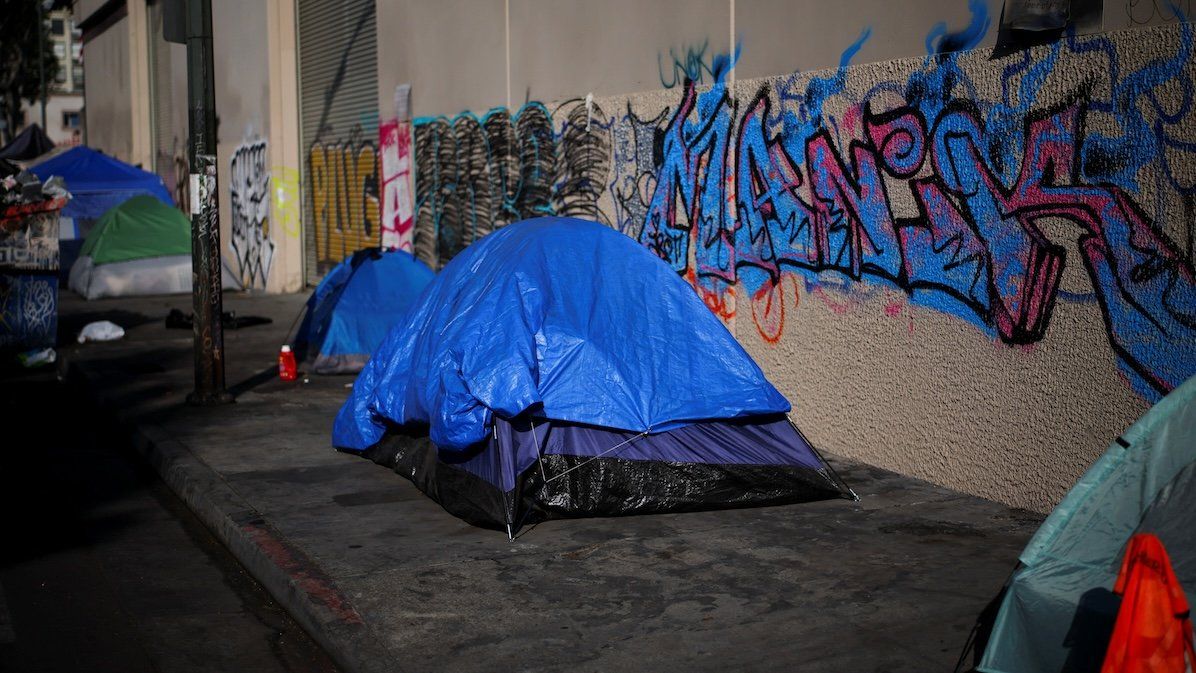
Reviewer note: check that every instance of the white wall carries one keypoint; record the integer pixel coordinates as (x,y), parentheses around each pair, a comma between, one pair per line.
(108,92)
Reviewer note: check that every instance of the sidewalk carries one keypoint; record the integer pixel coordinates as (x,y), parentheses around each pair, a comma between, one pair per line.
(385,580)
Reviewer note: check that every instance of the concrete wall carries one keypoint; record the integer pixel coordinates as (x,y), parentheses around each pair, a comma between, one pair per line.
(454,53)
(108,92)
(254,52)
(970,270)
(609,47)
(255,181)
(85,8)
(242,153)
(785,36)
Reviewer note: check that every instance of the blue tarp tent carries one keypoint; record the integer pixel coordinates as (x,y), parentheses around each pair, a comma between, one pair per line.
(354,307)
(559,368)
(98,182)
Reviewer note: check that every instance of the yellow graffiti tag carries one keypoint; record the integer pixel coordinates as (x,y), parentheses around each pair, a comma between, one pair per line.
(286,199)
(345,210)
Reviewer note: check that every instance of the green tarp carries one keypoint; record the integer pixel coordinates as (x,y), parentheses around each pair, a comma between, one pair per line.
(139,228)
(1059,604)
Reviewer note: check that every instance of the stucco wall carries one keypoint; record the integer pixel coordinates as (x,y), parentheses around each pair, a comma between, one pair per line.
(974,271)
(1062,302)
(109,103)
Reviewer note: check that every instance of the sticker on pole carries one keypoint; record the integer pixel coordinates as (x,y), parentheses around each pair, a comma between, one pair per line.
(196,202)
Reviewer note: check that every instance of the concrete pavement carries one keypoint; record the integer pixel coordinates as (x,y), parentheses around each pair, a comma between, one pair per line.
(387,581)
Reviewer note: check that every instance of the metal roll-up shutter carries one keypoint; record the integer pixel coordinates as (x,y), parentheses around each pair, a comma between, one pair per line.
(338,91)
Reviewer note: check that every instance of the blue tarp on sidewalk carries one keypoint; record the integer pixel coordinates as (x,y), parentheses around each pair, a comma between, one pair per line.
(566,316)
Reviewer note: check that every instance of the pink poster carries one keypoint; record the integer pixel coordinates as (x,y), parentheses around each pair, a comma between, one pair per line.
(397,206)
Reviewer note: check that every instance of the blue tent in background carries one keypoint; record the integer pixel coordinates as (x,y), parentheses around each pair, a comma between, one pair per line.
(98,182)
(558,368)
(354,307)
(28,144)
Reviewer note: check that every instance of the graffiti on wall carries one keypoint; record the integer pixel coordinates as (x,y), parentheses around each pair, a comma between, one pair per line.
(750,192)
(344,197)
(696,63)
(285,180)
(477,174)
(996,208)
(398,205)
(1145,12)
(249,189)
(28,310)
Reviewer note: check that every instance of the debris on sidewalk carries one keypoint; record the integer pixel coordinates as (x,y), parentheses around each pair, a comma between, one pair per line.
(101,330)
(37,357)
(176,319)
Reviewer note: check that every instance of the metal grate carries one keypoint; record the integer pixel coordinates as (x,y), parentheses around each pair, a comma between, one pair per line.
(338,93)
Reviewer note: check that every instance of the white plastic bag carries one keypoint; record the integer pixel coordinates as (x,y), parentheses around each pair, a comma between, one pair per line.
(101,331)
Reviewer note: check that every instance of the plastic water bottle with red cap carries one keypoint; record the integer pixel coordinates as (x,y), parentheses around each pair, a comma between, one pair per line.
(287,369)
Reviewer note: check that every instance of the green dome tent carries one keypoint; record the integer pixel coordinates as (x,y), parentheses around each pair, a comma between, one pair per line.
(139,247)
(1057,610)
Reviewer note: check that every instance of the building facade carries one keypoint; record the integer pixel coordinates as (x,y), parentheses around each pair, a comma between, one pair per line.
(137,111)
(64,102)
(961,257)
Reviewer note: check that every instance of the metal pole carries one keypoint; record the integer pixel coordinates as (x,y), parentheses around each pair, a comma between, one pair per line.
(41,56)
(205,223)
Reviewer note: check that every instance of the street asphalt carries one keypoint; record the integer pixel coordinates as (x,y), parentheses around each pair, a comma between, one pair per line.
(104,569)
(385,580)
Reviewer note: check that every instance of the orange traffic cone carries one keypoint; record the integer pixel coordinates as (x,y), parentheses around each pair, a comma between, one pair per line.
(1153,632)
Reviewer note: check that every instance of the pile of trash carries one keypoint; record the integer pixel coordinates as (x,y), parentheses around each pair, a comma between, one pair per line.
(19,187)
(29,263)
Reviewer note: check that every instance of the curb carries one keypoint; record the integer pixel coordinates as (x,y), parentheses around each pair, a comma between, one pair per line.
(288,575)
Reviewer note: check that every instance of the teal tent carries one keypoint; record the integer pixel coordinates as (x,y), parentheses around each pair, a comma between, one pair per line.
(1057,610)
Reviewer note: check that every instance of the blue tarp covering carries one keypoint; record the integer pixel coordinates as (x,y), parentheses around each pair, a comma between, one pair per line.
(566,316)
(355,306)
(98,182)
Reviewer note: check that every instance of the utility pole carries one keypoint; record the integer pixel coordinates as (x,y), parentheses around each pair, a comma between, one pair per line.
(205,223)
(42,6)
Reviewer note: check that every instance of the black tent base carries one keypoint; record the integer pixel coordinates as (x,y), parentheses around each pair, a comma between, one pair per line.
(604,486)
